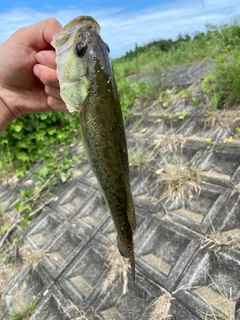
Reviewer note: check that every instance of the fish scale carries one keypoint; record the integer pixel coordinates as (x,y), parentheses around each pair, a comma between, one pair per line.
(87,86)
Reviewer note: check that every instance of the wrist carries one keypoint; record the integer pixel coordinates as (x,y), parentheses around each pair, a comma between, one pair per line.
(6,116)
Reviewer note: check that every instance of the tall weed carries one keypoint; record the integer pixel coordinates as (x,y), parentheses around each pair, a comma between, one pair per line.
(33,137)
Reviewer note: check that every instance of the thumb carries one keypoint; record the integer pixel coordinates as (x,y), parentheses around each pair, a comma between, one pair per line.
(40,34)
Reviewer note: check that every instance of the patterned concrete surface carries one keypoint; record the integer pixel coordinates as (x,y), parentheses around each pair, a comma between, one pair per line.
(184,178)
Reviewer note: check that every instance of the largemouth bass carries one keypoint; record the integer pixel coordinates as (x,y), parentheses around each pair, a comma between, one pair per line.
(87,86)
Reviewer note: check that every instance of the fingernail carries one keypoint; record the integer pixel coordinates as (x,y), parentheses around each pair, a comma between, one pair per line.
(36,70)
(40,58)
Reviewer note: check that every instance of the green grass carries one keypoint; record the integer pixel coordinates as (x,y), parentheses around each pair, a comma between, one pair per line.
(25,313)
(138,159)
(215,42)
(227,79)
(39,137)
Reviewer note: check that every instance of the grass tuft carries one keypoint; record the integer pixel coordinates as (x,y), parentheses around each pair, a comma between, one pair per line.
(118,268)
(32,258)
(25,313)
(161,307)
(166,143)
(181,182)
(223,119)
(218,240)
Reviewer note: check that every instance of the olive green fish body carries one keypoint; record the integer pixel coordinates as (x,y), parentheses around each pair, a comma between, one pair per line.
(105,146)
(87,86)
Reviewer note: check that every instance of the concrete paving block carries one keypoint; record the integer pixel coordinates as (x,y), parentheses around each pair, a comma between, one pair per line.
(147,184)
(220,165)
(144,218)
(142,126)
(181,76)
(179,105)
(28,287)
(8,198)
(237,310)
(119,305)
(8,275)
(235,177)
(180,311)
(228,222)
(80,280)
(72,199)
(3,310)
(145,127)
(55,306)
(137,303)
(9,269)
(167,306)
(146,189)
(108,230)
(164,251)
(79,170)
(192,152)
(44,228)
(173,124)
(91,217)
(75,198)
(109,238)
(89,179)
(227,226)
(199,212)
(203,308)
(62,250)
(198,129)
(136,173)
(211,283)
(176,159)
(164,127)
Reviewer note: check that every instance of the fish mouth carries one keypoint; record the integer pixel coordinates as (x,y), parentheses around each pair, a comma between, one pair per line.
(76,28)
(83,21)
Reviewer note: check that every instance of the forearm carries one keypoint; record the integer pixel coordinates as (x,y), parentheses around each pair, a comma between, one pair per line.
(6,116)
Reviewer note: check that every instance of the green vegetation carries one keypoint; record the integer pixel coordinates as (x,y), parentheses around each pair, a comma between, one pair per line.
(217,41)
(138,159)
(223,86)
(35,137)
(44,141)
(25,313)
(44,138)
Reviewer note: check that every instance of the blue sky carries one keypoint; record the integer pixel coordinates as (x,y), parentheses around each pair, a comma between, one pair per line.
(123,23)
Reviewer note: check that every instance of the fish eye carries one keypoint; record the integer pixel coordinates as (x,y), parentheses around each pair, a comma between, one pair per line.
(80,49)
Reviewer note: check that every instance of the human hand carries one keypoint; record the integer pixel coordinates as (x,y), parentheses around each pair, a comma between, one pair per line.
(28,81)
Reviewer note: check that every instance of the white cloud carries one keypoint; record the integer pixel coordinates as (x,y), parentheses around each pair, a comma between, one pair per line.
(122,30)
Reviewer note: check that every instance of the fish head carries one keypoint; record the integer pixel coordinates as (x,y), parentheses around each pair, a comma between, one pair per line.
(80,55)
